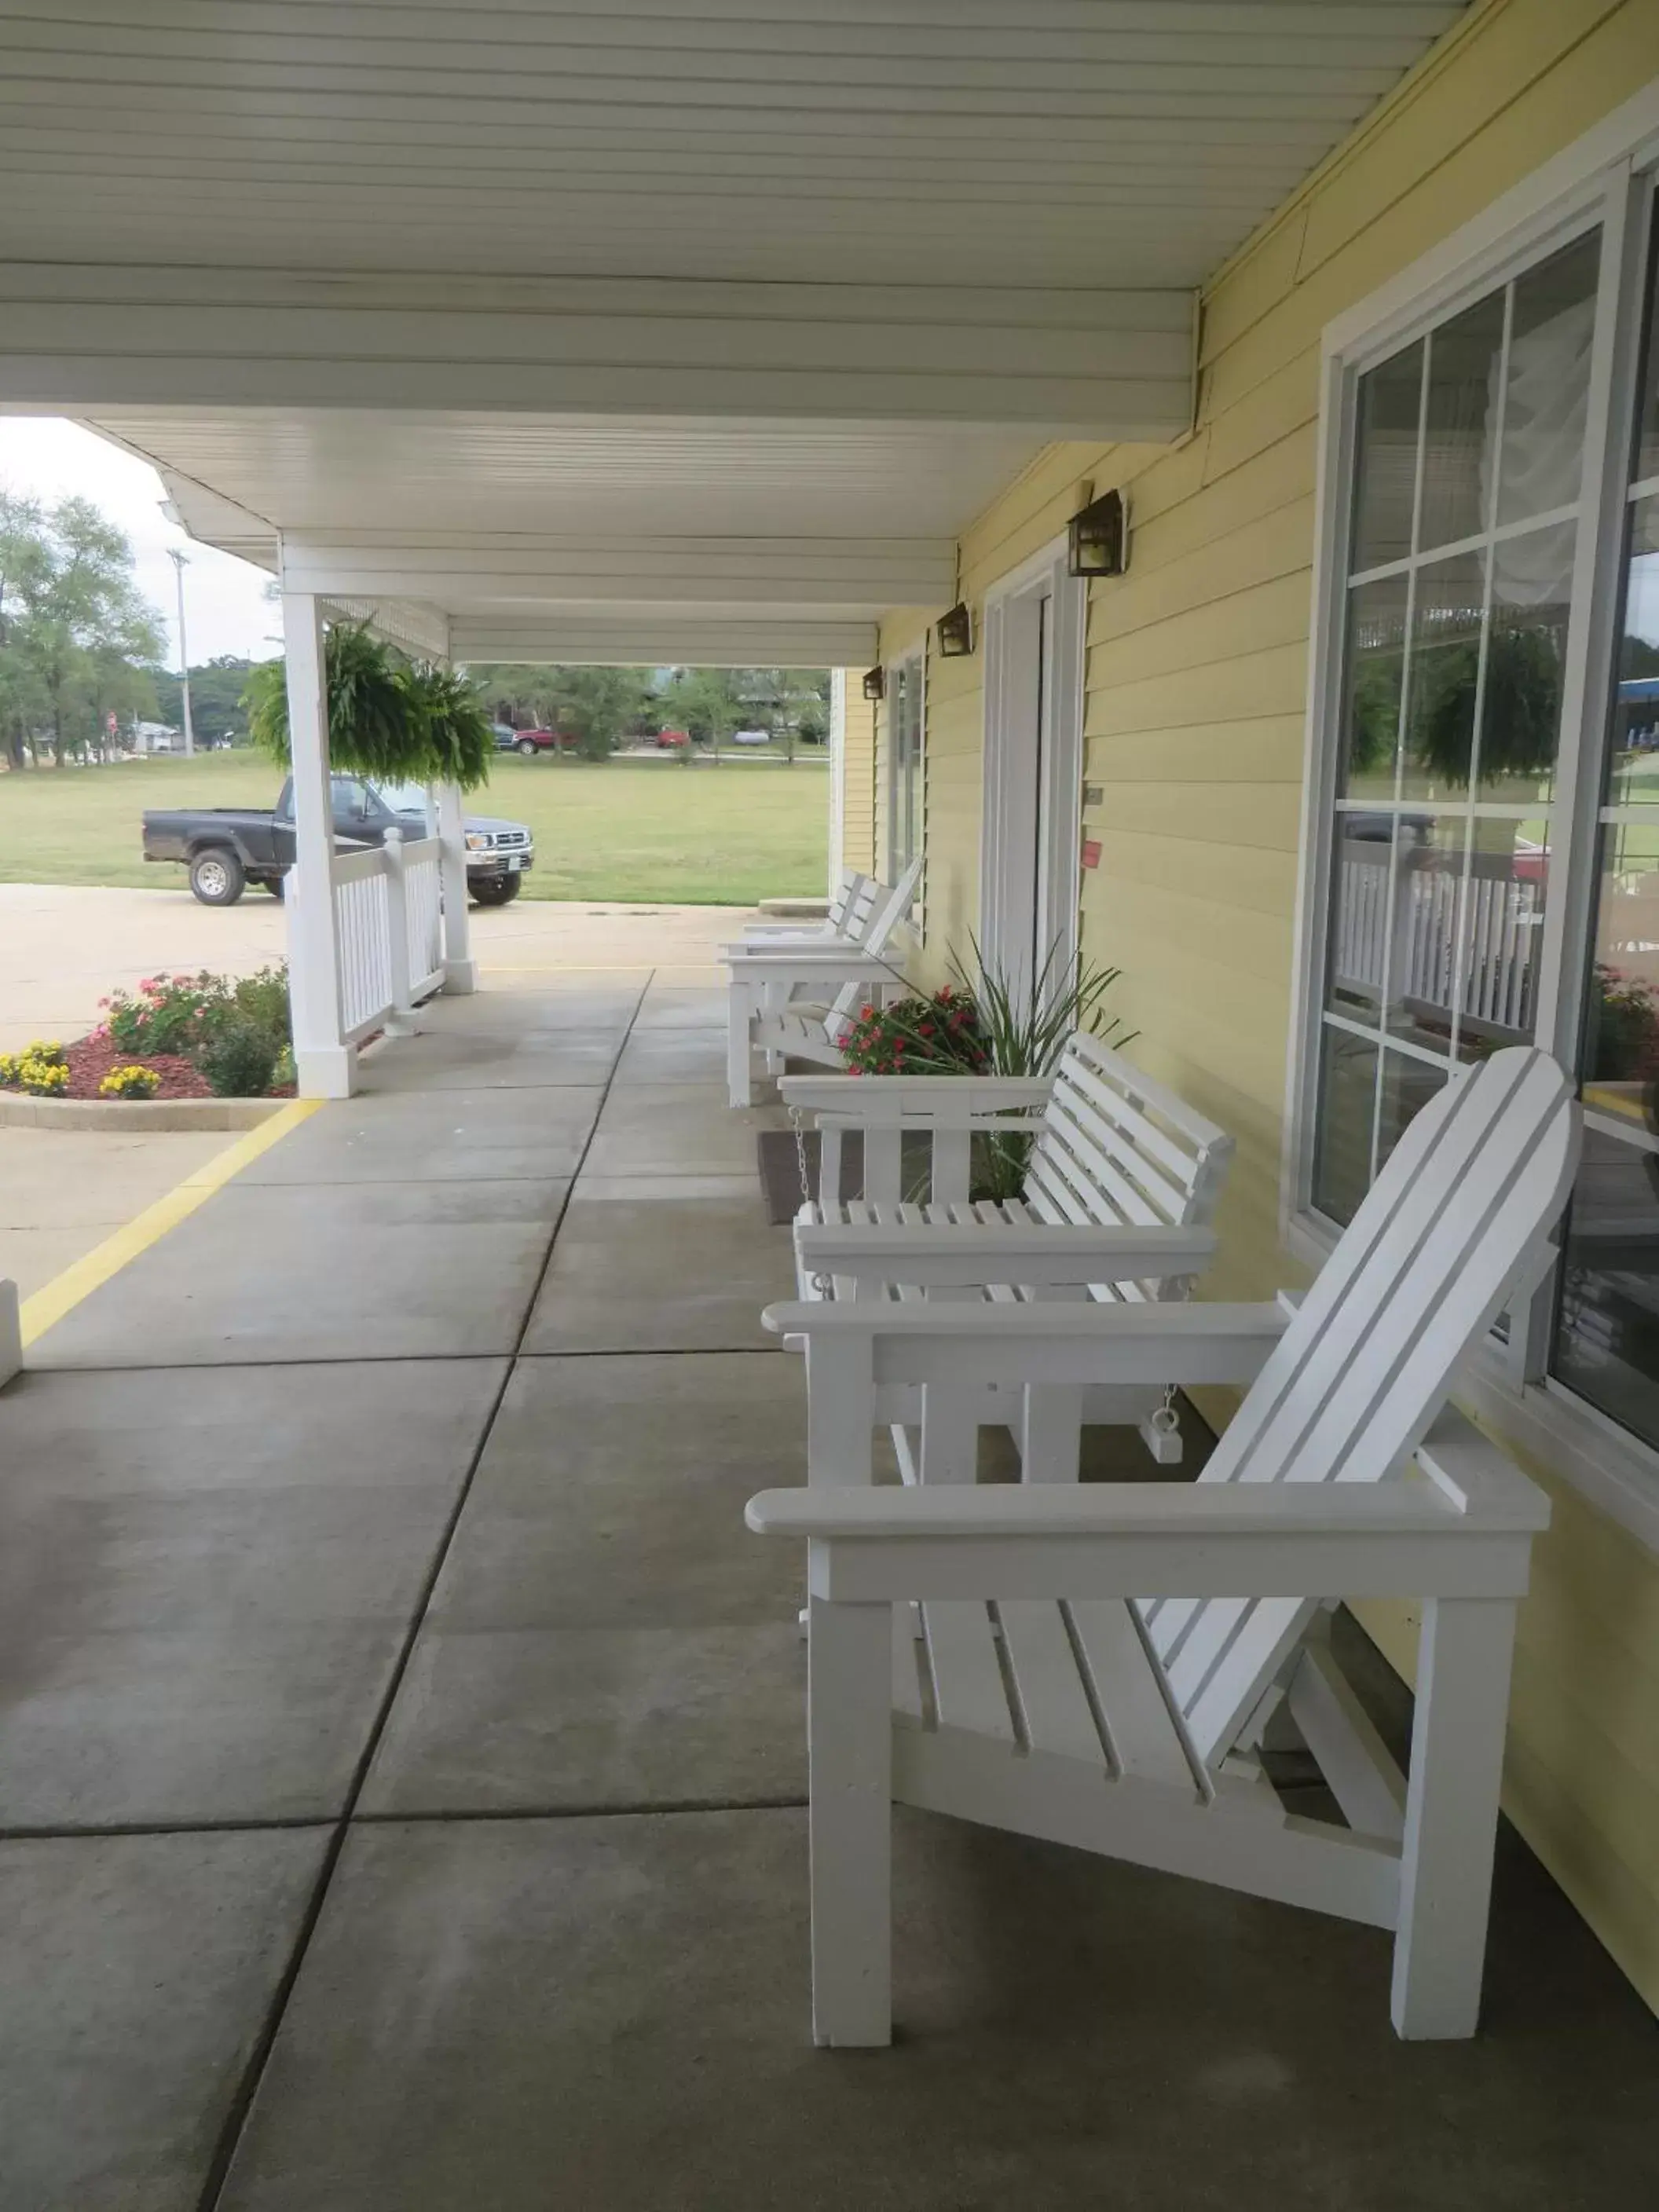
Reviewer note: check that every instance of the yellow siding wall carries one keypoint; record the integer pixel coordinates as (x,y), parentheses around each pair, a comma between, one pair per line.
(858,769)
(1196,691)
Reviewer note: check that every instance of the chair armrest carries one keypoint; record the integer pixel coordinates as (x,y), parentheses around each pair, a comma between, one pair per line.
(967,1253)
(936,1341)
(1147,1539)
(810,964)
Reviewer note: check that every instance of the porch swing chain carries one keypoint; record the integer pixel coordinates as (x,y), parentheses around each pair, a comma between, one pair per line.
(1166,1417)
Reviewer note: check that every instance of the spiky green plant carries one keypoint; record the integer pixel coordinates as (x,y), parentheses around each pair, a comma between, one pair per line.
(1023,1029)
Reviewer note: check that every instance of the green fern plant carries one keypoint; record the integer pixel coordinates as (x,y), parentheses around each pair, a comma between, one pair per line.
(388,719)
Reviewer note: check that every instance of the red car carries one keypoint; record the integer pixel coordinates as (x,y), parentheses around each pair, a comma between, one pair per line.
(529,743)
(667,739)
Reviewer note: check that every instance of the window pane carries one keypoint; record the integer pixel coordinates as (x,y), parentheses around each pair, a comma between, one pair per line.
(1342,1142)
(1374,666)
(1426,900)
(1406,1087)
(1362,845)
(1526,652)
(1503,931)
(1607,1345)
(1634,774)
(1647,450)
(1445,666)
(1385,459)
(1548,386)
(1621,1019)
(1464,355)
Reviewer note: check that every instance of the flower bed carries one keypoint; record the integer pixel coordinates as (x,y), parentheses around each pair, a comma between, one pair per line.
(193,1037)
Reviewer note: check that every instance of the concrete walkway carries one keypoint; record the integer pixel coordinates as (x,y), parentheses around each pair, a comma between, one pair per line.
(401,1766)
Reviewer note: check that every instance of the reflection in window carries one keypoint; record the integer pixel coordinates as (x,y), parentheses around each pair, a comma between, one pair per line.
(1464,356)
(1385,476)
(1526,654)
(1373,675)
(1547,393)
(1445,674)
(1634,738)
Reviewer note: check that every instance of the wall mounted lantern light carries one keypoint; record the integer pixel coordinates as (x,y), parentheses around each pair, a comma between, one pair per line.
(955,632)
(875,683)
(1095,538)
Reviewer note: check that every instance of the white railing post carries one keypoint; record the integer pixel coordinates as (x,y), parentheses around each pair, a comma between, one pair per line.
(324,1063)
(460,969)
(11,1333)
(400,1021)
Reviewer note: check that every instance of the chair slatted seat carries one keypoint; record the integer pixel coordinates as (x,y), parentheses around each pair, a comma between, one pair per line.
(1096,1665)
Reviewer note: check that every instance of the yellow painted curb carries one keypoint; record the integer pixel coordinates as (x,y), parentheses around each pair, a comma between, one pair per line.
(145,1228)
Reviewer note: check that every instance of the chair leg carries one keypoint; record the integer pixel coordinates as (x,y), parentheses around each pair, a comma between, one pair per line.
(1451,1815)
(850,1746)
(738,1057)
(1051,1433)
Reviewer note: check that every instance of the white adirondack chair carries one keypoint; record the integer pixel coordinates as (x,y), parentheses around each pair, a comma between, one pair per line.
(1099,1661)
(799,1001)
(1112,1151)
(844,924)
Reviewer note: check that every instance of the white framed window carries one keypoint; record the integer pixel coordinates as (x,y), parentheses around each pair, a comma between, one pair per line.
(1481,848)
(907,782)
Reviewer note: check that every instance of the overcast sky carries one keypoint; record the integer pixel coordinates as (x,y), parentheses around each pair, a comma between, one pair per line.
(224,609)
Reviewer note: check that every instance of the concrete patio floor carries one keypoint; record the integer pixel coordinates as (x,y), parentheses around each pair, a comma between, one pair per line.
(401,1759)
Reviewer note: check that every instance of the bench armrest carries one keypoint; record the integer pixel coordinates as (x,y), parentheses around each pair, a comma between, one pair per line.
(823,964)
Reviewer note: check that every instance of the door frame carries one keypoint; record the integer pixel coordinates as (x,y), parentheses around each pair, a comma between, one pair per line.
(1031,818)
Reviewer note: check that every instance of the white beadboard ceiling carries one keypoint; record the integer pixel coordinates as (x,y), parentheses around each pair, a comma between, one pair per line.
(639,321)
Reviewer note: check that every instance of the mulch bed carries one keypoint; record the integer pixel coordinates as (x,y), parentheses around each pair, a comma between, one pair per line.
(90,1060)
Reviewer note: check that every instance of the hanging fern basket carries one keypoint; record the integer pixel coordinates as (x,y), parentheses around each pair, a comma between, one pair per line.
(389,719)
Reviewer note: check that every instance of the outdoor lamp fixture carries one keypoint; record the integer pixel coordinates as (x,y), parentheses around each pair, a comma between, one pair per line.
(1095,538)
(875,683)
(955,632)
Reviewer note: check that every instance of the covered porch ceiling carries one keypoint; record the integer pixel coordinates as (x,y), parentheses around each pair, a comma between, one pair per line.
(646,331)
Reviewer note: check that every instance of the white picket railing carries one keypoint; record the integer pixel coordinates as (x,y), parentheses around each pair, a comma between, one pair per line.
(423,863)
(1414,940)
(388,914)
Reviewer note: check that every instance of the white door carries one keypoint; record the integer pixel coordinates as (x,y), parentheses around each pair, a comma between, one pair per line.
(1033,631)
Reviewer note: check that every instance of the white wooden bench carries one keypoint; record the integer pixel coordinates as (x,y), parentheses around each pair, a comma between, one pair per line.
(1098,1661)
(799,1000)
(1112,1153)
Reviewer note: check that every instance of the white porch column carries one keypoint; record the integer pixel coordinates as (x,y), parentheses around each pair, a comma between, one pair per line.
(325,1064)
(838,774)
(460,969)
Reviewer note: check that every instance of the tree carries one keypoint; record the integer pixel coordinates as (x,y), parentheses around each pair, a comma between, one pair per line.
(76,634)
(216,695)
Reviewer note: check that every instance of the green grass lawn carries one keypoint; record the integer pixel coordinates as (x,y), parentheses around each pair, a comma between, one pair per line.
(650,829)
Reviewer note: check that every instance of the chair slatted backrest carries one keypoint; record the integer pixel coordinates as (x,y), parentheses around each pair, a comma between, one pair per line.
(1465,1204)
(890,910)
(856,909)
(1116,1147)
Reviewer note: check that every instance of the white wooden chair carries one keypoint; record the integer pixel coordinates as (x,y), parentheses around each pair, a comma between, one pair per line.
(1099,1661)
(1111,1150)
(799,1001)
(844,923)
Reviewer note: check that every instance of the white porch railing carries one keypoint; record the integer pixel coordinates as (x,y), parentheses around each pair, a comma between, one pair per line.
(1415,939)
(388,920)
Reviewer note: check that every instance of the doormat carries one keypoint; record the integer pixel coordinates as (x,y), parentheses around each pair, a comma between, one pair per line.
(780,1169)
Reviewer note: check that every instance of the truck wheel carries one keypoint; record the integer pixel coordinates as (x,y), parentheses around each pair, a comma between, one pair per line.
(526,748)
(501,891)
(217,877)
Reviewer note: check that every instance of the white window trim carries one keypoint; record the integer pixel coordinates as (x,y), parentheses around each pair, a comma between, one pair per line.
(1001,871)
(912,933)
(1602,178)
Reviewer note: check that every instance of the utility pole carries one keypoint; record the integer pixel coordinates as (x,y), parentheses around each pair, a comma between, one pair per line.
(180,563)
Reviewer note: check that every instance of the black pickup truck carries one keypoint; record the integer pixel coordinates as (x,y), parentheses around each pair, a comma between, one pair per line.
(226,848)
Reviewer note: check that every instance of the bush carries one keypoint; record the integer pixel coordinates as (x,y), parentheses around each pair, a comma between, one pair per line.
(263,999)
(130,1082)
(285,1075)
(166,1014)
(938,1035)
(42,1075)
(237,1058)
